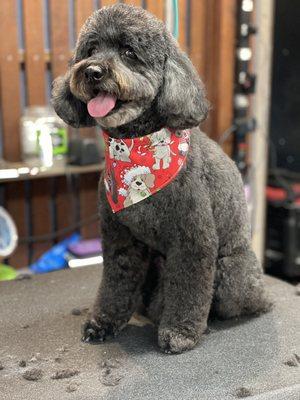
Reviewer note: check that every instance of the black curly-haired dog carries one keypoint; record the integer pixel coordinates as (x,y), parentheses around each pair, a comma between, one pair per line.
(197,225)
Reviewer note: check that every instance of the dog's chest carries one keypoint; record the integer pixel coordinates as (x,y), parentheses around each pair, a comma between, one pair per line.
(148,221)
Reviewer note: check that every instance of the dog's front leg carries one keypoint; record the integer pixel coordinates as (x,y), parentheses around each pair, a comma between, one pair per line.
(188,289)
(125,265)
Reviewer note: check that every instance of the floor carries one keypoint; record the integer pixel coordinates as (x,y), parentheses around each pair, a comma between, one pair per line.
(40,339)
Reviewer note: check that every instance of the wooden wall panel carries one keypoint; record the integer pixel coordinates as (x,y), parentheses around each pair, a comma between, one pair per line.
(211,32)
(137,3)
(197,35)
(182,19)
(83,9)
(225,73)
(157,8)
(219,66)
(104,3)
(89,201)
(10,80)
(59,36)
(41,218)
(34,52)
(11,111)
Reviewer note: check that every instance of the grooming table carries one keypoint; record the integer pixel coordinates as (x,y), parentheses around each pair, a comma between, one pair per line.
(250,357)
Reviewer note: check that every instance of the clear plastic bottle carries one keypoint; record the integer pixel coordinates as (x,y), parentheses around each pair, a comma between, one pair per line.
(44,137)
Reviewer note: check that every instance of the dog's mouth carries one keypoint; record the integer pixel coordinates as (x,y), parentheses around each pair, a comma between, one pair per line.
(104,104)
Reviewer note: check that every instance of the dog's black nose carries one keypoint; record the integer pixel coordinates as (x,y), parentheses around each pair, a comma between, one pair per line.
(93,73)
(138,183)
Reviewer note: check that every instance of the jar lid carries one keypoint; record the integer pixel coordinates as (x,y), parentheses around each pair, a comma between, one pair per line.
(38,111)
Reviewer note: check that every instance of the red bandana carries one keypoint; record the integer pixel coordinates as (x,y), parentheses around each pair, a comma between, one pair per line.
(137,168)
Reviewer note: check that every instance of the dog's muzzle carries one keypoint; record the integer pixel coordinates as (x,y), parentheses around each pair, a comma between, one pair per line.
(94,73)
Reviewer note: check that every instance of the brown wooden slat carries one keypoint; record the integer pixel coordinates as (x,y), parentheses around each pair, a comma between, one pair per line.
(34,54)
(89,203)
(41,219)
(65,211)
(136,3)
(157,8)
(59,33)
(226,61)
(46,56)
(220,66)
(210,73)
(10,82)
(108,2)
(197,35)
(83,9)
(182,9)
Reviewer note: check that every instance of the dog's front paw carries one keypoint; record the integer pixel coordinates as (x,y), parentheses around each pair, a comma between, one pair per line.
(172,341)
(97,329)
(93,332)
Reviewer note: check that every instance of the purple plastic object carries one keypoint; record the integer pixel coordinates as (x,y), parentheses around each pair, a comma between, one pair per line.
(86,248)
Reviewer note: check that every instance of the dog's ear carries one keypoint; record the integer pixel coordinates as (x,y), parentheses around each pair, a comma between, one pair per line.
(67,106)
(148,179)
(182,102)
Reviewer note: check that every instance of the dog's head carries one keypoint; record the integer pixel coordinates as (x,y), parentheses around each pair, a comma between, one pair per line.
(161,138)
(142,182)
(125,64)
(119,146)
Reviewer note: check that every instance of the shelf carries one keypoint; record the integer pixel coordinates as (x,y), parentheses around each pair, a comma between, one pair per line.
(14,172)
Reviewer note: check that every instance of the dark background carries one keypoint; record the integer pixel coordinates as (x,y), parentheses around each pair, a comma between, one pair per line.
(285,104)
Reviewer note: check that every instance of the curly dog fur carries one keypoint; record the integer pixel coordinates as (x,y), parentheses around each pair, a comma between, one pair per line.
(197,226)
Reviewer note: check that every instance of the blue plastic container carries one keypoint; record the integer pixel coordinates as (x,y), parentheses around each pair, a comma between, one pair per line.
(55,258)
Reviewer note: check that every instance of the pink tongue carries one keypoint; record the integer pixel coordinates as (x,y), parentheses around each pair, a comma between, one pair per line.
(101,105)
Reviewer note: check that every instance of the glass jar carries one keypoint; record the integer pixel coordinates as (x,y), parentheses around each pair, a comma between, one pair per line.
(44,138)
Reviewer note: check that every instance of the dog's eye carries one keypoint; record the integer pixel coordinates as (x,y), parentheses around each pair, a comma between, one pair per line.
(91,51)
(129,53)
